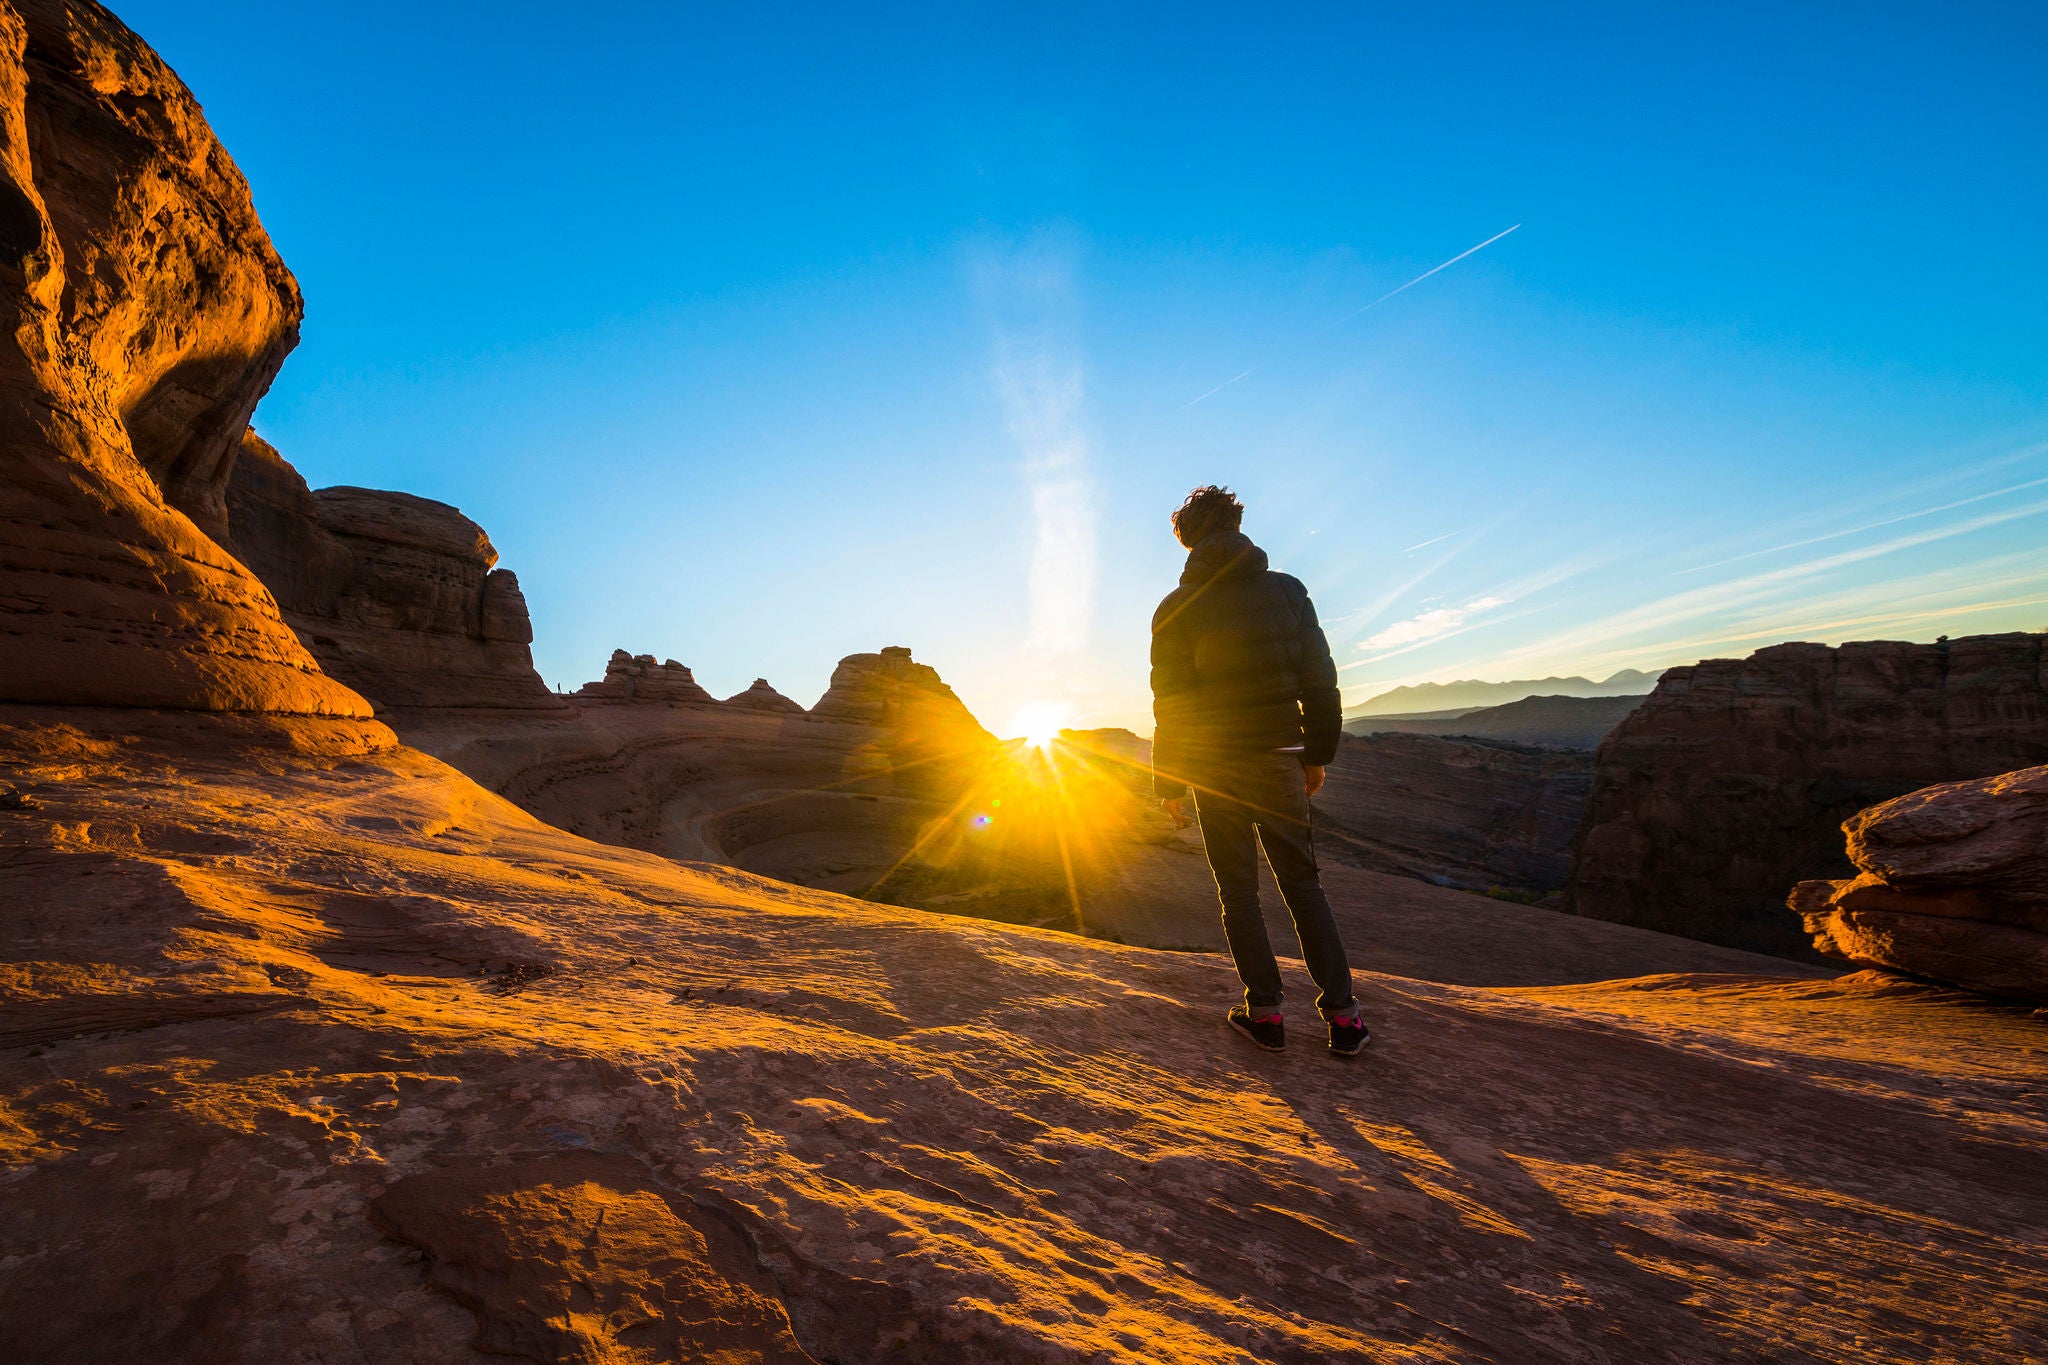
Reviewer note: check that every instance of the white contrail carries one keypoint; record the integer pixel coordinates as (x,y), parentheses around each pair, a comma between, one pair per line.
(1219,388)
(1420,278)
(1355,312)
(1427,543)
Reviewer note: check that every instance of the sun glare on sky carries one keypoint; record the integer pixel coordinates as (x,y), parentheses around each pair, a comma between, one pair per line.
(1039,723)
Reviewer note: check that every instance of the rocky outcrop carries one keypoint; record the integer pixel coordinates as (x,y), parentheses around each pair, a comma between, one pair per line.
(1730,783)
(1953,885)
(395,595)
(822,799)
(893,690)
(762,697)
(142,314)
(637,677)
(1467,813)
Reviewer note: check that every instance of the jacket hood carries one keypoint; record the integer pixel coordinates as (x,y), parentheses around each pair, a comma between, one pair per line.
(1223,554)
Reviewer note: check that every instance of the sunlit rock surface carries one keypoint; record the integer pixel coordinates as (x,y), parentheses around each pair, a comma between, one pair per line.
(142,314)
(1730,784)
(1953,885)
(281,1015)
(395,595)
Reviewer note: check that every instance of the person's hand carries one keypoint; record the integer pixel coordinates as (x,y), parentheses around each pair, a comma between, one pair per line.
(1173,806)
(1312,777)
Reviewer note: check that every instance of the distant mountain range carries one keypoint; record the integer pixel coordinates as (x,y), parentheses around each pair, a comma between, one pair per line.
(1423,699)
(1560,722)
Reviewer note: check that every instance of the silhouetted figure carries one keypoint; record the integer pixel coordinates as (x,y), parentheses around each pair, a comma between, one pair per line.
(1246,711)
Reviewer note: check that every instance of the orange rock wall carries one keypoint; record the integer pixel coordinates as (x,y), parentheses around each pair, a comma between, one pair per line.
(142,314)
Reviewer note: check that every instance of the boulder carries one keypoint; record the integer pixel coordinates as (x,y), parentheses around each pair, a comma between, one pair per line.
(762,697)
(395,595)
(1953,885)
(143,312)
(637,677)
(1732,781)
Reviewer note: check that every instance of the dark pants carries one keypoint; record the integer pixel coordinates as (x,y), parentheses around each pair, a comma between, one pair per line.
(1258,799)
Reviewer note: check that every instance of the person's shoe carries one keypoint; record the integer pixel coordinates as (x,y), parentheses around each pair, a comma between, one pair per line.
(1268,1030)
(1349,1035)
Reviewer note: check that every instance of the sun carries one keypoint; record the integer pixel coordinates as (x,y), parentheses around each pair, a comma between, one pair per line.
(1040,722)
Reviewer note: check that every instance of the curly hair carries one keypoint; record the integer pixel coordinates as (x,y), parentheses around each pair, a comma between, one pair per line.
(1209,509)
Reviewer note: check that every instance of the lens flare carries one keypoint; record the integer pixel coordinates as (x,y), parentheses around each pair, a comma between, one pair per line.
(1040,723)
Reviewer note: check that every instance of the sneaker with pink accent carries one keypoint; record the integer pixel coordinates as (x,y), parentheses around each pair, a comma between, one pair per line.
(1349,1035)
(1269,1031)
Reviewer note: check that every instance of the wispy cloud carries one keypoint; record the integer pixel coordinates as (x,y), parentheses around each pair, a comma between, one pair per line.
(1869,526)
(1038,377)
(1687,624)
(1433,624)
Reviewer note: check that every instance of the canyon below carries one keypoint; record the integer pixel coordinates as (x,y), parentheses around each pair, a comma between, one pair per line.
(364,999)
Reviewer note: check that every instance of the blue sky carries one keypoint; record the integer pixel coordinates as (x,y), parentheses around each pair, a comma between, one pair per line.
(759,335)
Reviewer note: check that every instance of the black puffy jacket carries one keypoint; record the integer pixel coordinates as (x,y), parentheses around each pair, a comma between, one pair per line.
(1239,665)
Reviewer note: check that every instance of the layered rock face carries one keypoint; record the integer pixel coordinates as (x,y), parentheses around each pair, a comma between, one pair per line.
(142,314)
(1457,812)
(1953,885)
(762,697)
(1730,783)
(892,689)
(395,595)
(637,677)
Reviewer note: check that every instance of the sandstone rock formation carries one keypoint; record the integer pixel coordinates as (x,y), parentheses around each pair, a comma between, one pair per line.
(891,689)
(762,697)
(142,314)
(1458,812)
(1953,886)
(829,799)
(637,677)
(395,595)
(1730,783)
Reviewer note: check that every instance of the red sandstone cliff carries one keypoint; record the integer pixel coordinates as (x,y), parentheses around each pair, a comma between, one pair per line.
(1731,782)
(142,314)
(397,596)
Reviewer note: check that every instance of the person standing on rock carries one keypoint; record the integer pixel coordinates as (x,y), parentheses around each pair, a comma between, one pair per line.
(1247,713)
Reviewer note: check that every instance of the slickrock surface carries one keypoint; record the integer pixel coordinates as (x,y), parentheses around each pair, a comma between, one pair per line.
(833,800)
(282,1014)
(1953,885)
(1559,722)
(1457,812)
(1730,784)
(790,796)
(637,677)
(142,314)
(395,595)
(762,697)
